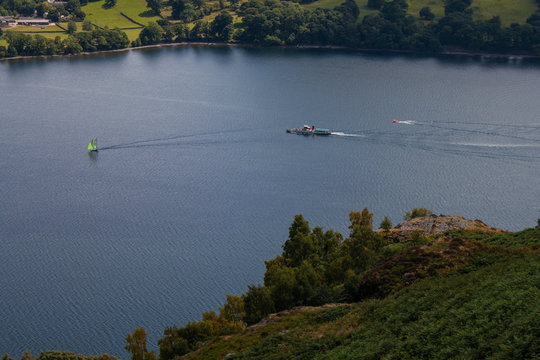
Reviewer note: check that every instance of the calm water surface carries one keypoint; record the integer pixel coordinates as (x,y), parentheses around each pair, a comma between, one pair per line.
(197,181)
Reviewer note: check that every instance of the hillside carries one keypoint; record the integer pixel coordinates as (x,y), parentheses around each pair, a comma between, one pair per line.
(131,15)
(456,296)
(487,311)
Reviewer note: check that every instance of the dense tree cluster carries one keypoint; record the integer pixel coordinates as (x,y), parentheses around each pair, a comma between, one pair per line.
(275,22)
(316,267)
(178,341)
(71,10)
(20,44)
(220,29)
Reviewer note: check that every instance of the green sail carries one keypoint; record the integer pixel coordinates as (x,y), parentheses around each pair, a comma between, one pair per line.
(93,144)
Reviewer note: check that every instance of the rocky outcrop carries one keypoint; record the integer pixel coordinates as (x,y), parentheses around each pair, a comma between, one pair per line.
(437,224)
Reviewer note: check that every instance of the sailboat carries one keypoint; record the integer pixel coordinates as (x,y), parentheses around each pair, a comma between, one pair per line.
(92,146)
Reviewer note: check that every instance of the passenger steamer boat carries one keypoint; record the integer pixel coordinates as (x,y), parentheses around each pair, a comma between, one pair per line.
(309,130)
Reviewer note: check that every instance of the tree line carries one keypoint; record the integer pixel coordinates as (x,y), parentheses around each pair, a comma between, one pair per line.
(71,10)
(20,44)
(275,22)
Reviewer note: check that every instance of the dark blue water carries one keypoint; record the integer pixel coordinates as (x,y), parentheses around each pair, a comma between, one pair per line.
(197,181)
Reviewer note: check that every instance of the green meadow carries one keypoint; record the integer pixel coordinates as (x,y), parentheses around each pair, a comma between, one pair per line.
(135,9)
(50,32)
(510,11)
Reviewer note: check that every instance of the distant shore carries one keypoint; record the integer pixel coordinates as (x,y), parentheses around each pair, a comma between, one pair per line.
(448,53)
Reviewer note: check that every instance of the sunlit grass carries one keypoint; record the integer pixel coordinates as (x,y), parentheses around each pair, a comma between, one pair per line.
(135,9)
(510,11)
(50,32)
(132,34)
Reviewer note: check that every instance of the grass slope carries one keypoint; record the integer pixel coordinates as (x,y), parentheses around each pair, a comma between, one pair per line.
(49,32)
(488,307)
(111,17)
(509,11)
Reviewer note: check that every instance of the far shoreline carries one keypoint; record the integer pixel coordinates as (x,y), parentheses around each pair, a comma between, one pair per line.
(443,54)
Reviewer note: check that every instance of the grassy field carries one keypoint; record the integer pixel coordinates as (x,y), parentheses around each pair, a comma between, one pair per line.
(49,32)
(510,11)
(132,34)
(135,9)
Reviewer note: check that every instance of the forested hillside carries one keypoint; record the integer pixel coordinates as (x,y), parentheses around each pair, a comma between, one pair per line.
(396,25)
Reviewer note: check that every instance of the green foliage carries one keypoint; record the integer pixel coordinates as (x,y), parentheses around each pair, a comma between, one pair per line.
(525,237)
(67,355)
(20,44)
(87,25)
(110,3)
(179,341)
(27,356)
(151,34)
(417,212)
(155,5)
(136,345)
(491,312)
(358,219)
(257,304)
(324,316)
(233,310)
(426,13)
(72,27)
(221,28)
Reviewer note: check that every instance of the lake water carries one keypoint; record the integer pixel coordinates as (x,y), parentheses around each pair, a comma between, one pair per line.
(197,182)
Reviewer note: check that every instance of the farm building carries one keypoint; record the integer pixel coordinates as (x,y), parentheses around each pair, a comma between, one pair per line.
(33,21)
(7,21)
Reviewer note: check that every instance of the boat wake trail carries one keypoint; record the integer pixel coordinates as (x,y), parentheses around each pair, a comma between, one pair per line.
(164,141)
(478,139)
(492,133)
(339,133)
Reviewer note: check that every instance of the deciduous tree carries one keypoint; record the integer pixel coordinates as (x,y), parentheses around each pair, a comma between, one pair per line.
(136,345)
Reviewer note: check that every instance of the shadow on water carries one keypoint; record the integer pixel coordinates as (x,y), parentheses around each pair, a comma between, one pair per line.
(93,156)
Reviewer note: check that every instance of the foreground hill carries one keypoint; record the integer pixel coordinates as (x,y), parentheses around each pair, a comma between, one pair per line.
(455,297)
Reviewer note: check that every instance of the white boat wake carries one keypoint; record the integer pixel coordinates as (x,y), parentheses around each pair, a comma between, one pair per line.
(406,122)
(339,133)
